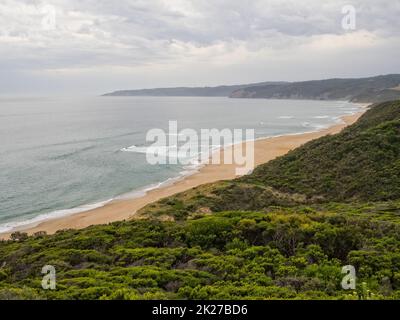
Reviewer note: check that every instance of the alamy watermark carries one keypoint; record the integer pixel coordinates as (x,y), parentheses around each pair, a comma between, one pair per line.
(349,280)
(49,278)
(187,146)
(349,20)
(49,17)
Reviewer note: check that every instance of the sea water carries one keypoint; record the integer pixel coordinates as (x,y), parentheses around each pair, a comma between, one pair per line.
(60,156)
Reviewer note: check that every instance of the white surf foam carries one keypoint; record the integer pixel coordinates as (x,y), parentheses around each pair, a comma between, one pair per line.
(286,117)
(321,117)
(17,225)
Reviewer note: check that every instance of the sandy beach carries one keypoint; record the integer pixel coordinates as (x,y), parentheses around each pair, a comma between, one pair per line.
(117,210)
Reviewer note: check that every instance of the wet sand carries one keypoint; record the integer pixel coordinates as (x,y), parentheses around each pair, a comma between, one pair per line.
(117,210)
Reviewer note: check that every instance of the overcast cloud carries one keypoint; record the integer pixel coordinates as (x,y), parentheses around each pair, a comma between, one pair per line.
(97,46)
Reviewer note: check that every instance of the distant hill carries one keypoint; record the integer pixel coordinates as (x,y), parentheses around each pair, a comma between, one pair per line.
(219,91)
(373,89)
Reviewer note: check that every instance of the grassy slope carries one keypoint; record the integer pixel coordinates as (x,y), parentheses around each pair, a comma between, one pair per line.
(271,236)
(362,163)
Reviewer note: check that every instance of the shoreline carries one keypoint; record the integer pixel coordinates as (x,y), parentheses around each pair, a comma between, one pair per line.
(265,149)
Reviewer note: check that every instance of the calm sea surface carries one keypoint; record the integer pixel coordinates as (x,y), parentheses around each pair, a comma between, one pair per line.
(64,155)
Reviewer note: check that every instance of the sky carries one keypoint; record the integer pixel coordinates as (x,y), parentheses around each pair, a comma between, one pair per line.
(98,46)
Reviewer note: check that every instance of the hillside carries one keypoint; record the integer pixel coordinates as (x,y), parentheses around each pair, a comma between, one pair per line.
(362,163)
(279,254)
(283,232)
(373,89)
(219,91)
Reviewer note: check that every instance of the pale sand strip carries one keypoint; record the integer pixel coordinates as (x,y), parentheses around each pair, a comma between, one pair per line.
(117,210)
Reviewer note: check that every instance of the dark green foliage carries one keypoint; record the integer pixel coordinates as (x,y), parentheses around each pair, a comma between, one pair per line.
(281,254)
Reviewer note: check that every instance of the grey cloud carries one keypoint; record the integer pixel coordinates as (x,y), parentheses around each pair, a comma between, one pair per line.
(144,41)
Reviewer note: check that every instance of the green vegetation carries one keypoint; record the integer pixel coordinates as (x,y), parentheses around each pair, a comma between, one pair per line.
(362,163)
(281,254)
(283,232)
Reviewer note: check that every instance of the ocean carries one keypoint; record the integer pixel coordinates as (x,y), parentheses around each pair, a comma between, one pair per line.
(61,156)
